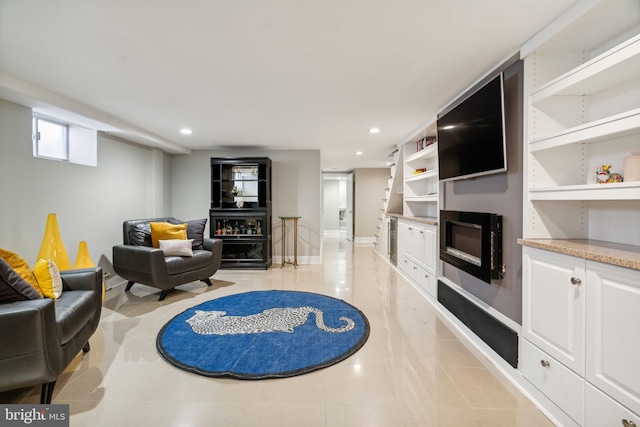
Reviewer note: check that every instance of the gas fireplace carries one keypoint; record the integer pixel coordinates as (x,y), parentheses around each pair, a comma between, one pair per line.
(472,242)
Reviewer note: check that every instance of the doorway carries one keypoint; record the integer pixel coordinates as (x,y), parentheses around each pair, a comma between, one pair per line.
(338,205)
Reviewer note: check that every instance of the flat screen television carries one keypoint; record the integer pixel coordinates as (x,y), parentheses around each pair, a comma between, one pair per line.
(471,137)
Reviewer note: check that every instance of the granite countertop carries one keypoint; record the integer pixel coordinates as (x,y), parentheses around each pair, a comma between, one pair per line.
(609,253)
(422,219)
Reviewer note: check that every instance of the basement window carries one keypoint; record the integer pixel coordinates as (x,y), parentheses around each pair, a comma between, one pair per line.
(56,140)
(50,139)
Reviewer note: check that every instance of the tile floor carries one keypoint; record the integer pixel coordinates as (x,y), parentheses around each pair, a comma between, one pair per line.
(412,371)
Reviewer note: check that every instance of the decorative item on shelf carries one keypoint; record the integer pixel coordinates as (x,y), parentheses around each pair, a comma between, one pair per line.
(419,171)
(605,176)
(52,247)
(632,166)
(425,142)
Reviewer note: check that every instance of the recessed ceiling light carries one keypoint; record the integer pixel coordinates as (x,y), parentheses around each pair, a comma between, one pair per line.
(374,130)
(186,131)
(359,153)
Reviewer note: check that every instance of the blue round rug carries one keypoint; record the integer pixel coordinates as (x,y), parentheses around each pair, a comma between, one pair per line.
(263,334)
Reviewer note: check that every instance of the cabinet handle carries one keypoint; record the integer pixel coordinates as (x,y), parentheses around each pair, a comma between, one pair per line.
(575,281)
(545,363)
(628,423)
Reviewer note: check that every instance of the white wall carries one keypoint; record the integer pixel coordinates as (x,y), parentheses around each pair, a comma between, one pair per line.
(296,191)
(369,191)
(132,182)
(90,202)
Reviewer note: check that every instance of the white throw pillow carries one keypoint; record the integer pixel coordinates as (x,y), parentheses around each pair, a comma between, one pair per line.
(176,247)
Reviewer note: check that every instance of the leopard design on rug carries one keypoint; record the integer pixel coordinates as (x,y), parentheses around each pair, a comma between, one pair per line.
(271,320)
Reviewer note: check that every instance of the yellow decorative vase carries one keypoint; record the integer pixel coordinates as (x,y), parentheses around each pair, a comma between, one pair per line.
(83,260)
(52,247)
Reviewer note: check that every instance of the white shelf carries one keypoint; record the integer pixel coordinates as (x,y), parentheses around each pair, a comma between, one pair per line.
(427,198)
(433,173)
(429,152)
(613,67)
(611,191)
(623,124)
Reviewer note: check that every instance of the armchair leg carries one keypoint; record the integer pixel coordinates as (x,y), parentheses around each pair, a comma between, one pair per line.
(86,348)
(207,281)
(129,285)
(47,393)
(164,294)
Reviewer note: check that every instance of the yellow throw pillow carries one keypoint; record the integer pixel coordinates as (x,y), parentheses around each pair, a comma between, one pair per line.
(21,267)
(46,271)
(166,231)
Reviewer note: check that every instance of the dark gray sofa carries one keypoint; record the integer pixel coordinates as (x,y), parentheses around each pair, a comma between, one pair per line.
(138,262)
(40,337)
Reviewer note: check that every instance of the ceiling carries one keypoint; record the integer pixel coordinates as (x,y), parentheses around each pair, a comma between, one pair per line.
(273,74)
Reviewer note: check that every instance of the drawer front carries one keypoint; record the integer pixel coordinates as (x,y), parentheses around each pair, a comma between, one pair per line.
(552,378)
(427,281)
(604,411)
(405,264)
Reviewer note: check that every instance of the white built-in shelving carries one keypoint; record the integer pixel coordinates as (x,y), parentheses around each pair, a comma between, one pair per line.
(421,174)
(582,83)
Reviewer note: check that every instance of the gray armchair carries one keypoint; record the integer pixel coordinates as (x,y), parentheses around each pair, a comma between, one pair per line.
(138,262)
(40,337)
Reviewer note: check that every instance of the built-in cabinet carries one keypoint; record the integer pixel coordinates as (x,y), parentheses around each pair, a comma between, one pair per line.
(580,326)
(581,279)
(417,228)
(417,253)
(240,211)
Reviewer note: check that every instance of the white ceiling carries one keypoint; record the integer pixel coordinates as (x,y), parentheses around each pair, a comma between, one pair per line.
(278,74)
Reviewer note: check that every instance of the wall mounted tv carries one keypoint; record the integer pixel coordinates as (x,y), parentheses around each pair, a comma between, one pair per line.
(471,137)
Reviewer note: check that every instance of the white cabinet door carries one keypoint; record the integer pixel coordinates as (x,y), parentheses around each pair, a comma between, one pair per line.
(554,305)
(428,248)
(613,332)
(383,239)
(406,238)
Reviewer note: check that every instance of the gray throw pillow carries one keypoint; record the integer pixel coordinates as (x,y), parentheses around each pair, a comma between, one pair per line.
(13,287)
(195,230)
(140,234)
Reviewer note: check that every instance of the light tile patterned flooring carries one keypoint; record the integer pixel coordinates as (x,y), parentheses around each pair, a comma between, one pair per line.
(412,371)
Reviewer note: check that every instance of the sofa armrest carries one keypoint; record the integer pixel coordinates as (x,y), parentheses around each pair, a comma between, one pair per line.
(212,245)
(29,328)
(137,256)
(215,247)
(85,279)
